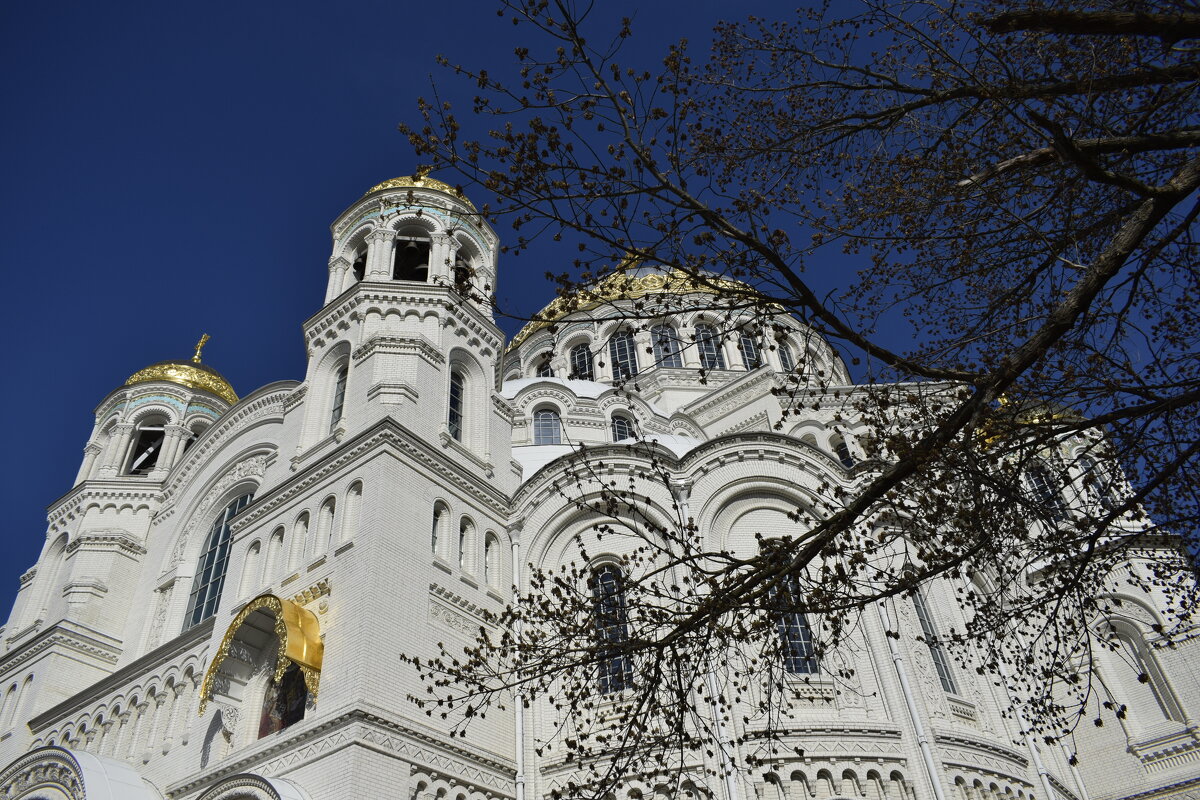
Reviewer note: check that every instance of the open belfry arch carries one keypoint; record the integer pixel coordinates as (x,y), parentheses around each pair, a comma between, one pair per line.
(231,594)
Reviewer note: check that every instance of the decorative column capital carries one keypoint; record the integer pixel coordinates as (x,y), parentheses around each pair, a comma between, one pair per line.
(338,263)
(381,235)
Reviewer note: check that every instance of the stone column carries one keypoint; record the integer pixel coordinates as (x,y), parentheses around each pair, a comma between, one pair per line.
(118,445)
(645,353)
(379,254)
(90,451)
(338,267)
(442,248)
(688,349)
(173,438)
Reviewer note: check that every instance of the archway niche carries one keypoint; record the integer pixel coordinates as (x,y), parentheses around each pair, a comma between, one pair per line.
(266,673)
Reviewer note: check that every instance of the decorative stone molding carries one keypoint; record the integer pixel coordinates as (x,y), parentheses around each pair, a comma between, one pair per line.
(254,787)
(115,540)
(250,468)
(72,774)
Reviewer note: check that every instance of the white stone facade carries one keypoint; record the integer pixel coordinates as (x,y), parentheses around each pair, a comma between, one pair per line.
(386,521)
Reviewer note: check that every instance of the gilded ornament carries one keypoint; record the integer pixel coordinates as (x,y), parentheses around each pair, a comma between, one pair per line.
(183,373)
(299,635)
(622,286)
(421,182)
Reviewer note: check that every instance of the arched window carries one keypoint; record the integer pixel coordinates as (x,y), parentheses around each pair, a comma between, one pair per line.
(213,563)
(751,358)
(466,539)
(843,452)
(440,515)
(622,428)
(325,521)
(1096,483)
(1045,493)
(275,558)
(339,396)
(708,344)
(1141,688)
(284,702)
(936,651)
(614,667)
(666,346)
(795,634)
(147,446)
(544,369)
(491,559)
(410,261)
(454,418)
(581,363)
(547,427)
(786,360)
(624,355)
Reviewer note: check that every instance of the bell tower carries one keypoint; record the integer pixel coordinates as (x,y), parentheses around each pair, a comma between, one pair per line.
(400,399)
(407,309)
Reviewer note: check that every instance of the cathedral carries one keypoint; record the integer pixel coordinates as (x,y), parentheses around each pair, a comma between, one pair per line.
(224,596)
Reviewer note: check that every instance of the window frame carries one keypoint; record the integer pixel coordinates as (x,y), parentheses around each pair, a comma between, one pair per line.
(212,565)
(544,430)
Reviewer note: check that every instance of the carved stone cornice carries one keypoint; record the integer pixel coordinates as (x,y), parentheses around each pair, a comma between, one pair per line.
(385,433)
(178,650)
(403,345)
(292,400)
(373,728)
(115,540)
(96,651)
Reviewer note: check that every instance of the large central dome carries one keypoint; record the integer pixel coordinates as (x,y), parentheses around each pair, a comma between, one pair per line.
(631,280)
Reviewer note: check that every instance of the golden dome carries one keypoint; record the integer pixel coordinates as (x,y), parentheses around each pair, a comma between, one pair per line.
(420,182)
(191,374)
(629,281)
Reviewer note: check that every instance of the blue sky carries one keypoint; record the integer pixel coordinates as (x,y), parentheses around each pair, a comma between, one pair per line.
(171,169)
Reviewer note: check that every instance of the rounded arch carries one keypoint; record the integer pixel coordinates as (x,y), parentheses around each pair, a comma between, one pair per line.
(58,773)
(329,384)
(780,499)
(439,539)
(248,786)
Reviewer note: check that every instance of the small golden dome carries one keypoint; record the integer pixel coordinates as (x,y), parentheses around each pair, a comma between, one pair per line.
(420,182)
(191,374)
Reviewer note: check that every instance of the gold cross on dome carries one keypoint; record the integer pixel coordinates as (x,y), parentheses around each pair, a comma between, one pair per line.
(200,346)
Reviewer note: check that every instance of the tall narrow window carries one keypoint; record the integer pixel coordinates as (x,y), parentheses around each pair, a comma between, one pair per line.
(1140,681)
(491,559)
(666,346)
(795,634)
(544,369)
(843,452)
(751,358)
(466,540)
(614,667)
(440,515)
(581,363)
(213,563)
(622,428)
(1095,484)
(339,396)
(786,360)
(547,427)
(708,344)
(454,419)
(624,355)
(1045,492)
(936,651)
(147,447)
